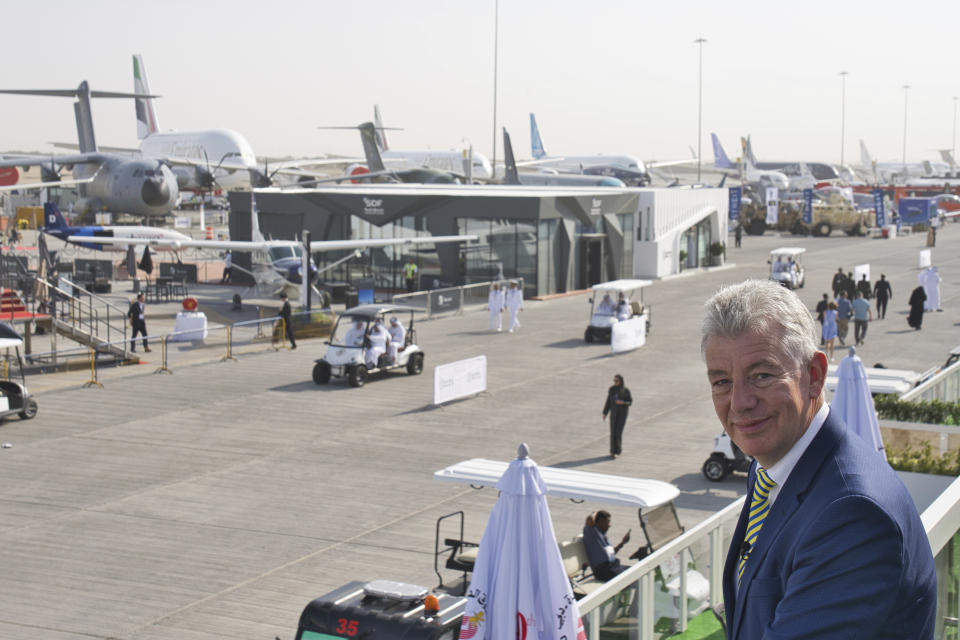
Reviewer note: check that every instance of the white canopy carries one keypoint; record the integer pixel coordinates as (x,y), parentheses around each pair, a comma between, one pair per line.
(791,252)
(897,381)
(622,285)
(569,483)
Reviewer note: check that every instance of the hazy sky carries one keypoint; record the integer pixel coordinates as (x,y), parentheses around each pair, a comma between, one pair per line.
(610,76)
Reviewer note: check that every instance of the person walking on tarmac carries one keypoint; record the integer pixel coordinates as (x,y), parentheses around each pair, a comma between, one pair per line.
(617,405)
(138,323)
(287,314)
(410,274)
(514,302)
(882,291)
(495,302)
(227,277)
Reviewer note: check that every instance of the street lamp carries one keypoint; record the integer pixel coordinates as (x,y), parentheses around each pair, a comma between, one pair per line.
(843,112)
(906,90)
(953,154)
(496,35)
(699,42)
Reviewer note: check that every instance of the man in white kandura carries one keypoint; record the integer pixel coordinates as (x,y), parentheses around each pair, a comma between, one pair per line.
(495,302)
(378,339)
(514,302)
(398,336)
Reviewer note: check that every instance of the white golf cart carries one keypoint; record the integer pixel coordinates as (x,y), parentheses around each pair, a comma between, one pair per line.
(605,310)
(786,267)
(14,397)
(349,348)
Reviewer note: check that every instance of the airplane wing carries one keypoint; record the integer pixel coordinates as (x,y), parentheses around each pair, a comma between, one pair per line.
(36,161)
(76,147)
(242,245)
(51,183)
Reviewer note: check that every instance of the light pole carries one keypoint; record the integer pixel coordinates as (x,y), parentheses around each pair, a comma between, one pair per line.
(953,153)
(906,90)
(843,112)
(496,30)
(699,42)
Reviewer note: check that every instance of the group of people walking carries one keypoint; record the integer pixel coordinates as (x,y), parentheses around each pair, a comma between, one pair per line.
(510,299)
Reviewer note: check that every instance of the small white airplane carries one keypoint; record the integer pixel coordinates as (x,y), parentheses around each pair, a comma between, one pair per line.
(277,264)
(750,173)
(452,161)
(899,172)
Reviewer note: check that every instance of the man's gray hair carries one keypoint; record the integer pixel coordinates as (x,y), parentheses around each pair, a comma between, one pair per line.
(759,306)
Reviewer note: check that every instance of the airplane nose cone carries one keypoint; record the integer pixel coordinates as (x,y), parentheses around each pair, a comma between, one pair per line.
(155,193)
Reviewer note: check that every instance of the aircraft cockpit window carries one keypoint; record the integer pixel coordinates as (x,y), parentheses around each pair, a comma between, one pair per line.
(279,253)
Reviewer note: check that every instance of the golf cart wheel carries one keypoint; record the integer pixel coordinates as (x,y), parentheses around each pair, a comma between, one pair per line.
(415,364)
(715,470)
(29,409)
(321,373)
(358,375)
(824,229)
(588,336)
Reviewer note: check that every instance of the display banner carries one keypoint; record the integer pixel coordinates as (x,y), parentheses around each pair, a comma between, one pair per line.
(736,193)
(628,335)
(878,207)
(808,206)
(459,379)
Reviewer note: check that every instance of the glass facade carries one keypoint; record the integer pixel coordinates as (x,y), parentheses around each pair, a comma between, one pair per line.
(503,249)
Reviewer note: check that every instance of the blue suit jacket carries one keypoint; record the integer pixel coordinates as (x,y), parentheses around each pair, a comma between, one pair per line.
(842,553)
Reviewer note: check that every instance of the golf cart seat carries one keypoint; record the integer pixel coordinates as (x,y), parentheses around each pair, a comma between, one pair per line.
(577,566)
(636,307)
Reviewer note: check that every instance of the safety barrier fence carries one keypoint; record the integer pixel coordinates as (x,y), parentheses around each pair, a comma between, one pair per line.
(645,602)
(943,385)
(191,346)
(435,302)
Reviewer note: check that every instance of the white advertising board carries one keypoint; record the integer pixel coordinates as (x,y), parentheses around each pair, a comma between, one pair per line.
(925,259)
(181,222)
(459,379)
(628,334)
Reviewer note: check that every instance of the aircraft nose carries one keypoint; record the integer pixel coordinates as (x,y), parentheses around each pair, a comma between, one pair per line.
(155,192)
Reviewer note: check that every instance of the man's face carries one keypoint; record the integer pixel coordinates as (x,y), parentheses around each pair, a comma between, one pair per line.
(763,400)
(603,524)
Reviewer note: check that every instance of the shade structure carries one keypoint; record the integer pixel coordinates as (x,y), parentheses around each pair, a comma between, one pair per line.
(519,587)
(853,402)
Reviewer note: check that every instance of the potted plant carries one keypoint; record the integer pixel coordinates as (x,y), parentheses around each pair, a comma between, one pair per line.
(717,250)
(683,258)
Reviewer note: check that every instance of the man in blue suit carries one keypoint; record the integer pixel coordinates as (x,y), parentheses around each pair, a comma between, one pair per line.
(829,543)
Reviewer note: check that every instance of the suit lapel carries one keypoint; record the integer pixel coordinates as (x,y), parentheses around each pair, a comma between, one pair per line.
(788,500)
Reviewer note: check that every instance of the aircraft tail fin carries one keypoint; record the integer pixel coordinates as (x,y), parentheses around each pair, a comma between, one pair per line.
(723,179)
(865,158)
(748,152)
(381,135)
(147,122)
(53,217)
(947,156)
(86,141)
(536,144)
(720,159)
(509,162)
(368,135)
(255,234)
(928,169)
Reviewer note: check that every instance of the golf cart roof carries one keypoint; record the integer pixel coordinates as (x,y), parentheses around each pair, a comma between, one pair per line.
(622,285)
(9,337)
(370,311)
(569,483)
(788,251)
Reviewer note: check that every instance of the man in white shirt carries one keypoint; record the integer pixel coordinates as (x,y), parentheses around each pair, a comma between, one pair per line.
(514,302)
(398,336)
(379,341)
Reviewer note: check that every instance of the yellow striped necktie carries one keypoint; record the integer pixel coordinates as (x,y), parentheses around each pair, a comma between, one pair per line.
(759,508)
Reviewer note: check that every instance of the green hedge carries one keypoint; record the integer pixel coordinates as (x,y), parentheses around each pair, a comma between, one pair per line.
(923,460)
(933,412)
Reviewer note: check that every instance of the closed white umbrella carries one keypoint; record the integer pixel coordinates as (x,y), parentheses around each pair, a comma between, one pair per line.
(853,402)
(519,587)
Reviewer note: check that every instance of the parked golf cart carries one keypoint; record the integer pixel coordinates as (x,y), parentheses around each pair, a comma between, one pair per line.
(792,277)
(603,307)
(14,397)
(347,347)
(726,457)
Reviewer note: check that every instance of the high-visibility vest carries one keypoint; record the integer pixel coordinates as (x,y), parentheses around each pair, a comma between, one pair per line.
(410,270)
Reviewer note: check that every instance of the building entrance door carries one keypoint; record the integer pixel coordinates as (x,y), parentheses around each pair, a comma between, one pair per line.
(591,262)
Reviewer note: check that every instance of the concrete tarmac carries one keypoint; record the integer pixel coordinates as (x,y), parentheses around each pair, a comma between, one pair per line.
(216,502)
